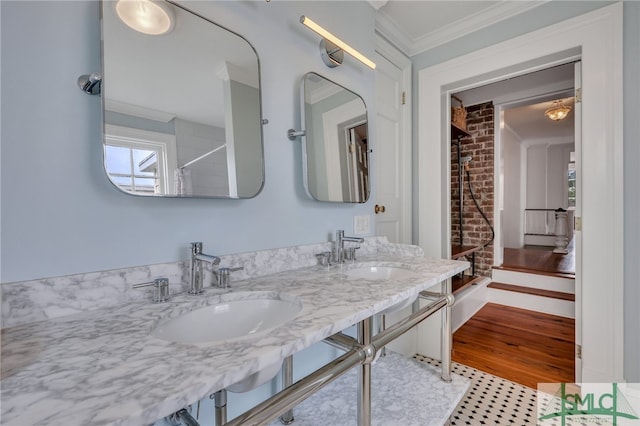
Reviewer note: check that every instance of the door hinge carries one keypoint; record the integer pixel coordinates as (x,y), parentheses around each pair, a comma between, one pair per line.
(352,148)
(577,223)
(404,98)
(579,94)
(579,351)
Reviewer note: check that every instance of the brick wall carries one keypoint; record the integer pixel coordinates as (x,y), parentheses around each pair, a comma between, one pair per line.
(480,121)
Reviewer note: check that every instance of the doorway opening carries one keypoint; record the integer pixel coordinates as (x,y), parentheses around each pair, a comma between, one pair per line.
(513,168)
(357,162)
(595,38)
(538,186)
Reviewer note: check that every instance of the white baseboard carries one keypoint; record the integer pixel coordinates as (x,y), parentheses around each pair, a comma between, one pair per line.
(540,240)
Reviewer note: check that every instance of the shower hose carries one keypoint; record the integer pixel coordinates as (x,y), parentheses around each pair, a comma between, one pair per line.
(484,216)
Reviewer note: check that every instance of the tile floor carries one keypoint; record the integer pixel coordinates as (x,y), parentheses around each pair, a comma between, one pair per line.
(491,400)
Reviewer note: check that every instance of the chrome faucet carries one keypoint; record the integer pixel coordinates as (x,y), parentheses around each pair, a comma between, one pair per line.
(223,276)
(340,239)
(196,283)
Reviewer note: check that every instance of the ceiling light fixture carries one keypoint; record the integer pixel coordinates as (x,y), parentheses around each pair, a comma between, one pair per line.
(153,17)
(332,48)
(558,111)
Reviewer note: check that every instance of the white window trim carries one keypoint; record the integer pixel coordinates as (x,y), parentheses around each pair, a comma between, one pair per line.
(127,137)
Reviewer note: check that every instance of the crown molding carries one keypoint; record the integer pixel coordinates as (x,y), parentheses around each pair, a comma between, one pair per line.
(377,4)
(558,140)
(138,111)
(322,93)
(455,29)
(391,31)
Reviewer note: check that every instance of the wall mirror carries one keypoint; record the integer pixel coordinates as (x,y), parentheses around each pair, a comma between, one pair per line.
(335,144)
(182,110)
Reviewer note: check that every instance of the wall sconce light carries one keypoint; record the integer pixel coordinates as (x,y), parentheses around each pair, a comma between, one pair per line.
(332,48)
(558,111)
(153,17)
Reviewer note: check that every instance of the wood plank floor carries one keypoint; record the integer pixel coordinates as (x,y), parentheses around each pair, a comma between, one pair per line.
(523,346)
(570,297)
(540,260)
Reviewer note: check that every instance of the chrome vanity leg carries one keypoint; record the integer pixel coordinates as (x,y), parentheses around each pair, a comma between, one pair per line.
(381,328)
(287,380)
(364,376)
(220,399)
(446,334)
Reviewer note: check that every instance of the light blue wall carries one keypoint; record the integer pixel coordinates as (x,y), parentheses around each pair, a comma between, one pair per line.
(59,213)
(548,14)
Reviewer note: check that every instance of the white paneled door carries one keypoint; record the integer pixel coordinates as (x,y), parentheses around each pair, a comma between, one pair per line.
(392,153)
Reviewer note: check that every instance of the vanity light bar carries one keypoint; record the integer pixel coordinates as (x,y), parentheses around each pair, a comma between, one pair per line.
(335,40)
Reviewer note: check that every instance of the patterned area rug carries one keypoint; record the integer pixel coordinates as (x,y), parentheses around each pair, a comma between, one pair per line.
(490,399)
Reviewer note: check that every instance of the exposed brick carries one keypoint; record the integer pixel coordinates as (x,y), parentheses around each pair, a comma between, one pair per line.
(480,123)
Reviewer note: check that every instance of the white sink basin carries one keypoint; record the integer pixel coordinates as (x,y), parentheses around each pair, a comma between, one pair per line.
(385,273)
(228,319)
(400,305)
(380,273)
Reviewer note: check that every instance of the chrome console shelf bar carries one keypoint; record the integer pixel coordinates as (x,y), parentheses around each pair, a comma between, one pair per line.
(365,332)
(361,353)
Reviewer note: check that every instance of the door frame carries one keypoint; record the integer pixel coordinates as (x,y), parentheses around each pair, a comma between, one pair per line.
(395,56)
(596,38)
(333,121)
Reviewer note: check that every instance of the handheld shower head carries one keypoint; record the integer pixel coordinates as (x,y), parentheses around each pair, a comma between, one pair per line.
(464,162)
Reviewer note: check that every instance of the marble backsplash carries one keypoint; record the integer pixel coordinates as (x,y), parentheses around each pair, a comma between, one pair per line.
(43,299)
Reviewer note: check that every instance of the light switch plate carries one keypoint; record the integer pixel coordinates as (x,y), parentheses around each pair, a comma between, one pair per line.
(362,225)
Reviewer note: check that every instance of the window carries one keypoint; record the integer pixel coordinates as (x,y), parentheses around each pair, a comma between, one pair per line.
(137,161)
(134,169)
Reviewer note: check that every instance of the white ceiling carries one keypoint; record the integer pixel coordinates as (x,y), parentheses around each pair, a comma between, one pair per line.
(531,125)
(419,25)
(524,100)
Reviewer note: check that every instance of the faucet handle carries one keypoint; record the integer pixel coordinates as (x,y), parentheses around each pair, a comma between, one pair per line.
(349,253)
(196,247)
(324,258)
(223,276)
(160,289)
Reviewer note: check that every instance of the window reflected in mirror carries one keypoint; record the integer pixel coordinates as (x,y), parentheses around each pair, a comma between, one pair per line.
(335,145)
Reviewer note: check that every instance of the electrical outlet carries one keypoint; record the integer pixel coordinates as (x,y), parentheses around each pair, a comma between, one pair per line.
(361,225)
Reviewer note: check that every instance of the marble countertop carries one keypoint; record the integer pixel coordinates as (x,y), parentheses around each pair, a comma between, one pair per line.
(103,368)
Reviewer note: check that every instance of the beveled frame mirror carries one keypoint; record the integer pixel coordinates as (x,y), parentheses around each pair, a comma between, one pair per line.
(335,142)
(182,110)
